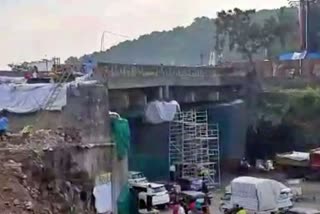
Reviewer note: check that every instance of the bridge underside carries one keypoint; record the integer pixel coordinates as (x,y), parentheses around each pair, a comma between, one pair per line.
(132,86)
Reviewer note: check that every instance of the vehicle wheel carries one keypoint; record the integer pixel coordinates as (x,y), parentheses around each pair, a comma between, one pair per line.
(142,204)
(209,202)
(221,209)
(162,206)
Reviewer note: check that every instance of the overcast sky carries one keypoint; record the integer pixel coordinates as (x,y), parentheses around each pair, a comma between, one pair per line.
(35,29)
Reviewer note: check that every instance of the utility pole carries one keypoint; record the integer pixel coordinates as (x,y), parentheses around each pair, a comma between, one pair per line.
(201,59)
(304,20)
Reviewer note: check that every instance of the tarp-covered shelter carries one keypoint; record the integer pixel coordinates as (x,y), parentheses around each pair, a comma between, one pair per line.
(299,56)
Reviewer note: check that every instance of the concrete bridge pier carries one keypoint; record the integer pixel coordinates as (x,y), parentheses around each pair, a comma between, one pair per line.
(164,93)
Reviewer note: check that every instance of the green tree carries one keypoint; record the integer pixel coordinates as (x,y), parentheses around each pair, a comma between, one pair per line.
(244,35)
(72,61)
(286,26)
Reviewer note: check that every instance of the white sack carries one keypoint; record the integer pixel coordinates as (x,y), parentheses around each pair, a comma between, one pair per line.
(158,112)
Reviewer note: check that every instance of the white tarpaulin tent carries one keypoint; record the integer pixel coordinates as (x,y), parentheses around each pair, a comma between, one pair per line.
(16,80)
(158,112)
(26,98)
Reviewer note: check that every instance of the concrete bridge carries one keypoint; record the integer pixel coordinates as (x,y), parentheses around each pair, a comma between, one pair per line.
(132,86)
(135,85)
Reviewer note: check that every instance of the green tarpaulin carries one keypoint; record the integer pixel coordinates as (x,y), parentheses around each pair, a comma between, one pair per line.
(127,201)
(121,133)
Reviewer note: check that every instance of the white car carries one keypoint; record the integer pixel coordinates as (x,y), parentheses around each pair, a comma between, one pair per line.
(136,177)
(160,196)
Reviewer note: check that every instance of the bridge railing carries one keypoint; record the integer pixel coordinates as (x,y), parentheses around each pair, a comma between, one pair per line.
(127,71)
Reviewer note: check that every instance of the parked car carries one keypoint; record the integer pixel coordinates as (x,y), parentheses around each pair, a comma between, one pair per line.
(160,196)
(136,177)
(172,188)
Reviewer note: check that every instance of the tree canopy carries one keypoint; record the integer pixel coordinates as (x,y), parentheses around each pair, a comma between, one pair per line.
(244,35)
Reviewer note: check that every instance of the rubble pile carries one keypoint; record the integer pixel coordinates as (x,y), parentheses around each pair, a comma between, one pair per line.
(28,185)
(43,139)
(20,193)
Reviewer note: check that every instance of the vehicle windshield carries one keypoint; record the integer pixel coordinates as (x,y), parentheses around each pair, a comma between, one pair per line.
(227,196)
(200,200)
(137,176)
(158,189)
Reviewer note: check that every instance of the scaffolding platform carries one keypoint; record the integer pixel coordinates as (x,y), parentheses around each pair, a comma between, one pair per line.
(194,146)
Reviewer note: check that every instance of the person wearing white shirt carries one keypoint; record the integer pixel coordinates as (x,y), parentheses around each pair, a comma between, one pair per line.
(172,170)
(181,210)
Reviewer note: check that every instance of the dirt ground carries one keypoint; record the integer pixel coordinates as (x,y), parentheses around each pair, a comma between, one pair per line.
(310,199)
(28,186)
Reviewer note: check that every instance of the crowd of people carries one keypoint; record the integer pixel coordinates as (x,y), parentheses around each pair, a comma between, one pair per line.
(192,208)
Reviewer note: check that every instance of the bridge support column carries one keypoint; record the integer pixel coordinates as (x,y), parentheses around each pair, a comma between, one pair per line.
(160,93)
(166,92)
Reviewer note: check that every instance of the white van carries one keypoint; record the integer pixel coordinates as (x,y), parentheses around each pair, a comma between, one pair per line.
(257,195)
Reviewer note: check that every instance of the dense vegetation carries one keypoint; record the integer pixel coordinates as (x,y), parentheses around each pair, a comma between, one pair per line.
(289,118)
(185,45)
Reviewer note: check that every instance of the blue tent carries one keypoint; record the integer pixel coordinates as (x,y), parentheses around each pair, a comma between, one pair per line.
(299,55)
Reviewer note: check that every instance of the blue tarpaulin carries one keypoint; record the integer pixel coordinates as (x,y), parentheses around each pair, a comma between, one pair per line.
(299,55)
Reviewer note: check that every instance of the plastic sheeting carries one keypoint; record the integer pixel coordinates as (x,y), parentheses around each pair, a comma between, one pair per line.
(159,112)
(103,198)
(296,156)
(27,98)
(149,149)
(299,56)
(16,80)
(232,120)
(127,203)
(121,132)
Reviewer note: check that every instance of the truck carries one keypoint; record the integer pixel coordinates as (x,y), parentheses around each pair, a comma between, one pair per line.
(257,195)
(300,164)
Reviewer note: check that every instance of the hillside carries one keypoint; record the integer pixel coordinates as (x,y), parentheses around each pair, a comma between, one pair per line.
(182,45)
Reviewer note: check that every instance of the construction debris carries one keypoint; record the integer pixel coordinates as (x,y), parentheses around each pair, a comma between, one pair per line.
(42,139)
(28,185)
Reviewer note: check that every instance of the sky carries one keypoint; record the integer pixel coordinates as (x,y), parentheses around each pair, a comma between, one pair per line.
(38,29)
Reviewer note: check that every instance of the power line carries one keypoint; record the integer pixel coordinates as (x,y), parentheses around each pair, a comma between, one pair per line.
(111,33)
(116,34)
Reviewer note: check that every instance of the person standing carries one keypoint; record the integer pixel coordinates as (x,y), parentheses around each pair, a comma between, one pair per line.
(176,207)
(172,170)
(35,73)
(181,209)
(206,210)
(234,209)
(242,211)
(4,124)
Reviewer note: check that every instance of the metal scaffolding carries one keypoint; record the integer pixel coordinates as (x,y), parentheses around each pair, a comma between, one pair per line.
(194,146)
